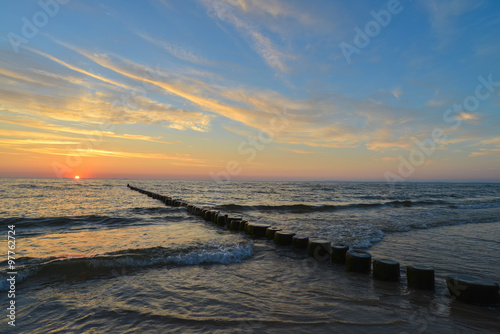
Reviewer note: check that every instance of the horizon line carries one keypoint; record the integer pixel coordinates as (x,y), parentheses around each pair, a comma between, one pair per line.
(250,180)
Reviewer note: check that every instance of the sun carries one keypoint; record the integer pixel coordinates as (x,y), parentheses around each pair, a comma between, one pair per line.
(77,177)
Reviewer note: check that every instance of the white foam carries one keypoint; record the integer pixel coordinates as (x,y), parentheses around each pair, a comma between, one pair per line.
(205,253)
(379,235)
(222,254)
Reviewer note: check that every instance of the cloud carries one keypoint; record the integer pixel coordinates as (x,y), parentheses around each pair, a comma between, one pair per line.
(477,154)
(495,140)
(444,14)
(397,92)
(24,75)
(389,159)
(302,152)
(36,142)
(485,151)
(259,42)
(317,123)
(465,116)
(21,77)
(92,153)
(32,135)
(273,57)
(100,100)
(122,154)
(173,85)
(94,134)
(385,139)
(333,121)
(436,103)
(77,69)
(175,50)
(274,8)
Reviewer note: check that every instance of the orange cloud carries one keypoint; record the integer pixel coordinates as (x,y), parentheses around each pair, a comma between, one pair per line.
(302,152)
(484,151)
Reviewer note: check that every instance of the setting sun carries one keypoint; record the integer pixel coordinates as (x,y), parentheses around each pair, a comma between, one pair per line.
(77,177)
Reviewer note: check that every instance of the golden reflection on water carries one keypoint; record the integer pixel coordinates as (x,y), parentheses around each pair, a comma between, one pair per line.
(90,243)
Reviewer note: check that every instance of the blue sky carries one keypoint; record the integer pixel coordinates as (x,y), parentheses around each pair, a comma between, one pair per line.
(181,88)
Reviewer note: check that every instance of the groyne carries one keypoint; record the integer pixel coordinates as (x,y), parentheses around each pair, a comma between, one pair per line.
(469,289)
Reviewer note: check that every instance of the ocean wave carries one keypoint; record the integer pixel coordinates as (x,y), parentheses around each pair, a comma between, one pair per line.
(154,210)
(425,225)
(305,208)
(91,267)
(27,186)
(475,206)
(75,221)
(33,186)
(376,236)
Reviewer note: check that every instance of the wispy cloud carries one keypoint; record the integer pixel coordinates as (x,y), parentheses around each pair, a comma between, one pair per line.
(19,76)
(80,70)
(397,92)
(485,151)
(385,139)
(316,123)
(122,154)
(444,15)
(335,121)
(38,125)
(33,134)
(175,50)
(96,101)
(389,159)
(36,142)
(466,116)
(92,153)
(495,140)
(262,44)
(436,103)
(274,8)
(302,151)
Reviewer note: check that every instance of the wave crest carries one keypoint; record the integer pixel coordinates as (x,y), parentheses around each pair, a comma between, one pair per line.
(305,208)
(90,267)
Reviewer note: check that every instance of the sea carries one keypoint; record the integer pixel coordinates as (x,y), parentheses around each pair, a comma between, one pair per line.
(93,256)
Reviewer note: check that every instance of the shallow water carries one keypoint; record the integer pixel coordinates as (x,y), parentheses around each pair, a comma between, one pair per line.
(95,257)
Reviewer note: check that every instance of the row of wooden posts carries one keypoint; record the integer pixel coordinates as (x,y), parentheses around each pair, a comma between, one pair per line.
(462,287)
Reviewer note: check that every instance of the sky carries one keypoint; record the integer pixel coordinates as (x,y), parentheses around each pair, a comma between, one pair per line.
(251,89)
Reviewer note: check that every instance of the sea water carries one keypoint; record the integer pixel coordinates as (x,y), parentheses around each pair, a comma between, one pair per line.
(92,256)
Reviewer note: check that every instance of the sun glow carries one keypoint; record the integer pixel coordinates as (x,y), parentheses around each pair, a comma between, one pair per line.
(77,177)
